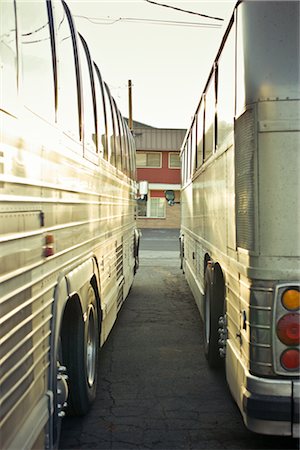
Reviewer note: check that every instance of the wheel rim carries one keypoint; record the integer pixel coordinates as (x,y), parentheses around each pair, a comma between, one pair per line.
(91,347)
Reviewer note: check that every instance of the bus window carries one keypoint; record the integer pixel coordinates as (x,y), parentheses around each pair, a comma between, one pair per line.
(193,145)
(182,166)
(89,120)
(189,156)
(68,106)
(101,114)
(200,122)
(186,159)
(110,126)
(209,119)
(117,135)
(8,55)
(185,152)
(132,156)
(226,88)
(124,142)
(127,149)
(130,146)
(36,54)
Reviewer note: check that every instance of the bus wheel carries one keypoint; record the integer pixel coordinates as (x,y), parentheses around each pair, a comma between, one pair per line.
(81,357)
(213,310)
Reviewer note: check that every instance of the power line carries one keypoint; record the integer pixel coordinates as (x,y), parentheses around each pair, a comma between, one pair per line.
(174,23)
(183,10)
(112,21)
(99,20)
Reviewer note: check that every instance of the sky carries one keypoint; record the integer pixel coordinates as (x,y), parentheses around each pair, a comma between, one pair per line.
(167,62)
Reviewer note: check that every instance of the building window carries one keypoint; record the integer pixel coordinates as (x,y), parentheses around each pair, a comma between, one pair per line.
(144,159)
(153,208)
(141,208)
(174,161)
(157,207)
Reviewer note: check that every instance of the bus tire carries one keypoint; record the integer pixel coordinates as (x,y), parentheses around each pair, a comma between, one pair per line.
(80,355)
(213,309)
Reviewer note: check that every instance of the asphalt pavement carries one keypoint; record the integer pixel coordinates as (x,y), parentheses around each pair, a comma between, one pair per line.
(159,247)
(155,390)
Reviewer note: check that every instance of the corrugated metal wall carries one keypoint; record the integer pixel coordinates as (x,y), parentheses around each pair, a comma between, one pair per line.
(161,139)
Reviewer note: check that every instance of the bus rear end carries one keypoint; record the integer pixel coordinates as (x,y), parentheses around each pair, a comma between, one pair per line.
(267,163)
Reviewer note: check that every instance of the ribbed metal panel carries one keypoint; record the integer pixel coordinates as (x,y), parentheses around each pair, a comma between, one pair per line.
(161,139)
(244,176)
(260,331)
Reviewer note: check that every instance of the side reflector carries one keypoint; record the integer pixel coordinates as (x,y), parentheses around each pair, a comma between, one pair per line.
(48,251)
(290,359)
(49,239)
(49,247)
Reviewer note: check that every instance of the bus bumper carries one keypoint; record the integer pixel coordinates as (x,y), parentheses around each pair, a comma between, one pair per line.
(271,406)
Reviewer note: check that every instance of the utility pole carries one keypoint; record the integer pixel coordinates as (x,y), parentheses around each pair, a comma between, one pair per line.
(130,124)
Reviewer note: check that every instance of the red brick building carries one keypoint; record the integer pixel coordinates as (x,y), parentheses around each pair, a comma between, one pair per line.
(158,163)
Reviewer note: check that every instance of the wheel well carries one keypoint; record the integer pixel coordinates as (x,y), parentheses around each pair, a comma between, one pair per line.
(220,283)
(72,315)
(72,308)
(94,285)
(218,275)
(207,258)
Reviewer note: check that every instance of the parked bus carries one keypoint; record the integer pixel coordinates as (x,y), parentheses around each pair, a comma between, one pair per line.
(68,236)
(240,213)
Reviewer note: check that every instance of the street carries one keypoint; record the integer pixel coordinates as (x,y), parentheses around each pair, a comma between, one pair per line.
(155,390)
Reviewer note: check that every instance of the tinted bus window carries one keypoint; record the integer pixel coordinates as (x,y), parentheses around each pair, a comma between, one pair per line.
(132,155)
(101,114)
(130,150)
(117,135)
(89,125)
(226,89)
(194,147)
(8,54)
(200,121)
(124,147)
(184,166)
(68,108)
(209,119)
(110,127)
(37,68)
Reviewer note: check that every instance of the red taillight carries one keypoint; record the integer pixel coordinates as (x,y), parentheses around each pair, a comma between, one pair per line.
(290,359)
(288,329)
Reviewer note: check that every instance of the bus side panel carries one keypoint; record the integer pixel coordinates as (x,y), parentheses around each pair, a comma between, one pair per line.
(279,165)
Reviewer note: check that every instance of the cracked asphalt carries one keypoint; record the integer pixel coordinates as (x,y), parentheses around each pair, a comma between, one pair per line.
(155,390)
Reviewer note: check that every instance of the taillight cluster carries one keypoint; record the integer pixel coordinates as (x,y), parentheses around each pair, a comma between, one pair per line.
(288,329)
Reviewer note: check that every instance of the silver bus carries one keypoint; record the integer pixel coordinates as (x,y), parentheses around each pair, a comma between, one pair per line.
(239,238)
(68,236)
